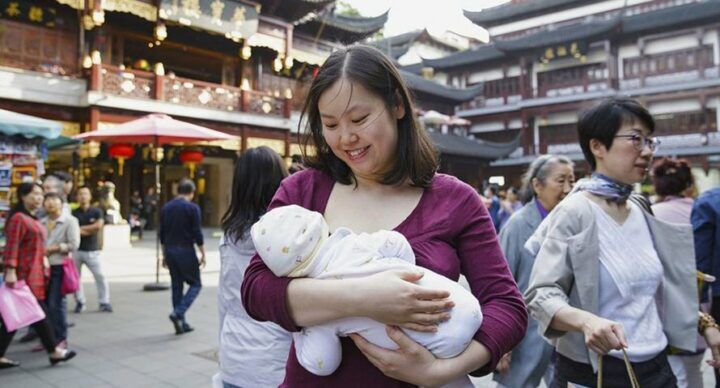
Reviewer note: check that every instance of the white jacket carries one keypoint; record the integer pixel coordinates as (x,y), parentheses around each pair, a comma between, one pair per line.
(252,353)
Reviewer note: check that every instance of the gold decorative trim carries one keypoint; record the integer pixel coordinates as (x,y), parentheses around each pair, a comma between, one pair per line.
(308,57)
(135,7)
(77,4)
(259,39)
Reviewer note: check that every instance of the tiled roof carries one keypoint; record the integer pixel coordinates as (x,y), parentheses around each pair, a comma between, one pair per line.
(473,148)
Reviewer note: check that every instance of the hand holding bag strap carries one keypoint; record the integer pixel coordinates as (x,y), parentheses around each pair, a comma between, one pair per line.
(631,373)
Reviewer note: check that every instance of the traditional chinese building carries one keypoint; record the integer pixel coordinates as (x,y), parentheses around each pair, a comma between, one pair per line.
(549,59)
(235,66)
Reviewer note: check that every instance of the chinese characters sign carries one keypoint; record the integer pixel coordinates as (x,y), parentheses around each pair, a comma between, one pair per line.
(231,18)
(569,50)
(28,12)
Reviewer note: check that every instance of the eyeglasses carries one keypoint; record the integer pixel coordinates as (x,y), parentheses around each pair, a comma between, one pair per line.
(640,142)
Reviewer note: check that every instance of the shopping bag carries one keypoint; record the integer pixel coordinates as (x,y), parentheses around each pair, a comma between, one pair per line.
(18,306)
(631,372)
(71,278)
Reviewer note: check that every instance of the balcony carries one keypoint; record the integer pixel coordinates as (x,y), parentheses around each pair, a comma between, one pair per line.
(571,81)
(144,85)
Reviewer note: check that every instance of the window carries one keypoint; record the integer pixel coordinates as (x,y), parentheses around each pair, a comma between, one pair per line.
(670,62)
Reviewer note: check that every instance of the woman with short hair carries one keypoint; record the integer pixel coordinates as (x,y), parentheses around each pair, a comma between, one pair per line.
(609,278)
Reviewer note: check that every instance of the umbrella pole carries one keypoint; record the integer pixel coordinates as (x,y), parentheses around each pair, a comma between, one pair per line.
(157,286)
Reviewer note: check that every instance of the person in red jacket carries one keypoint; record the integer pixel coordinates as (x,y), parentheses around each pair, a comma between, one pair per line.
(23,260)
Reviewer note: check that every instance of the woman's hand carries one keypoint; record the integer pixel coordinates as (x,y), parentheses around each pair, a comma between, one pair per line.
(411,363)
(504,364)
(712,338)
(391,297)
(10,277)
(603,335)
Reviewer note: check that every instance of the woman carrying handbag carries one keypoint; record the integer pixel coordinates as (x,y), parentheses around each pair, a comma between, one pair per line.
(609,278)
(63,237)
(23,260)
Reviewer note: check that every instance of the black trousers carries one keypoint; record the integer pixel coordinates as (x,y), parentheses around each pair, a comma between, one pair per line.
(43,329)
(654,373)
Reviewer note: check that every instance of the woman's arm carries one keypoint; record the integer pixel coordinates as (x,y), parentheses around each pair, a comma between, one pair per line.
(14,231)
(415,364)
(302,302)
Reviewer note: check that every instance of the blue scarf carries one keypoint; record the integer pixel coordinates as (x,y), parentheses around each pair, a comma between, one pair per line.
(605,187)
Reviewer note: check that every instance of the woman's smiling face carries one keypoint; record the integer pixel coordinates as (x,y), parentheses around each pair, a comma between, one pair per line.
(359,128)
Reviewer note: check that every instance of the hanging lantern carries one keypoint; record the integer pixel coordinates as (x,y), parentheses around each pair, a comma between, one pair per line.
(87,62)
(160,32)
(277,63)
(245,52)
(191,158)
(289,61)
(121,152)
(98,17)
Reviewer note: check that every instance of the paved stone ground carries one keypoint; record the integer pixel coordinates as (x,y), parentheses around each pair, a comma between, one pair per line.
(135,346)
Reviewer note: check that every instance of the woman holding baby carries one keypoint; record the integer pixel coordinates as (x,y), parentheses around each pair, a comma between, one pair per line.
(375,169)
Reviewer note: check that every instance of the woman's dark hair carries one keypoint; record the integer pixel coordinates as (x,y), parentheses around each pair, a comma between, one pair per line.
(415,155)
(540,168)
(23,190)
(672,176)
(603,121)
(258,173)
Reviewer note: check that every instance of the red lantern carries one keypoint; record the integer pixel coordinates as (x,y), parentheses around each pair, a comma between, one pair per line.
(191,158)
(121,152)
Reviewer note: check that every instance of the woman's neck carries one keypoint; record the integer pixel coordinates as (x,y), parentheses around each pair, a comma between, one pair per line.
(601,170)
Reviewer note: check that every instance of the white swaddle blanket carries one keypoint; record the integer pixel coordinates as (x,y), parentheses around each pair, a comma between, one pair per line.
(293,241)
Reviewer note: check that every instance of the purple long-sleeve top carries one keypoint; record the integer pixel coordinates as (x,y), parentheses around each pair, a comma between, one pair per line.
(450,232)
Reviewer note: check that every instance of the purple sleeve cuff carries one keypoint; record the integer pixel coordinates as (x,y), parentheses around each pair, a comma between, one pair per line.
(495,353)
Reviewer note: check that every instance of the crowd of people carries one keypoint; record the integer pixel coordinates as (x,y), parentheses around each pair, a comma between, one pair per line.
(42,232)
(580,283)
(610,279)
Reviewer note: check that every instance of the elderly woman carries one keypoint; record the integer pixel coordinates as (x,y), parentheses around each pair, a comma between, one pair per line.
(547,181)
(609,278)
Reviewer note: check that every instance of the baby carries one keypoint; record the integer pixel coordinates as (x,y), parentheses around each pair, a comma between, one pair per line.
(294,242)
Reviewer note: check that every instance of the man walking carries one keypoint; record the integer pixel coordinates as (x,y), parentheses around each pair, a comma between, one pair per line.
(179,233)
(91,223)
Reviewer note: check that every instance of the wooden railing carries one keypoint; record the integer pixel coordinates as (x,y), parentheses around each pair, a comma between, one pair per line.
(184,91)
(574,80)
(36,48)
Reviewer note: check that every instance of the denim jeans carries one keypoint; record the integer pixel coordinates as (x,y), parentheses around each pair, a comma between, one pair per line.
(56,303)
(182,262)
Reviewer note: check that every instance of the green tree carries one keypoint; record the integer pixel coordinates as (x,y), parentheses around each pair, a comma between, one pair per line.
(346,9)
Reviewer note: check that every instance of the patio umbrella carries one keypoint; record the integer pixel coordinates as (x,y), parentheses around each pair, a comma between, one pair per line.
(156,129)
(12,123)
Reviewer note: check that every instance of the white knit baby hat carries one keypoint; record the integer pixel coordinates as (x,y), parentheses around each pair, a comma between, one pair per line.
(287,238)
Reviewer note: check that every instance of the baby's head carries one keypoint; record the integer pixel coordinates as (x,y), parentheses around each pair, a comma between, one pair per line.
(288,237)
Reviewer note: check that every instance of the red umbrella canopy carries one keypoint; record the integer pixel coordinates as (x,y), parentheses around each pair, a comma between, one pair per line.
(156,129)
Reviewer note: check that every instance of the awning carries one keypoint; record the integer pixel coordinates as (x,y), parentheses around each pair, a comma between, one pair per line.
(61,142)
(12,123)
